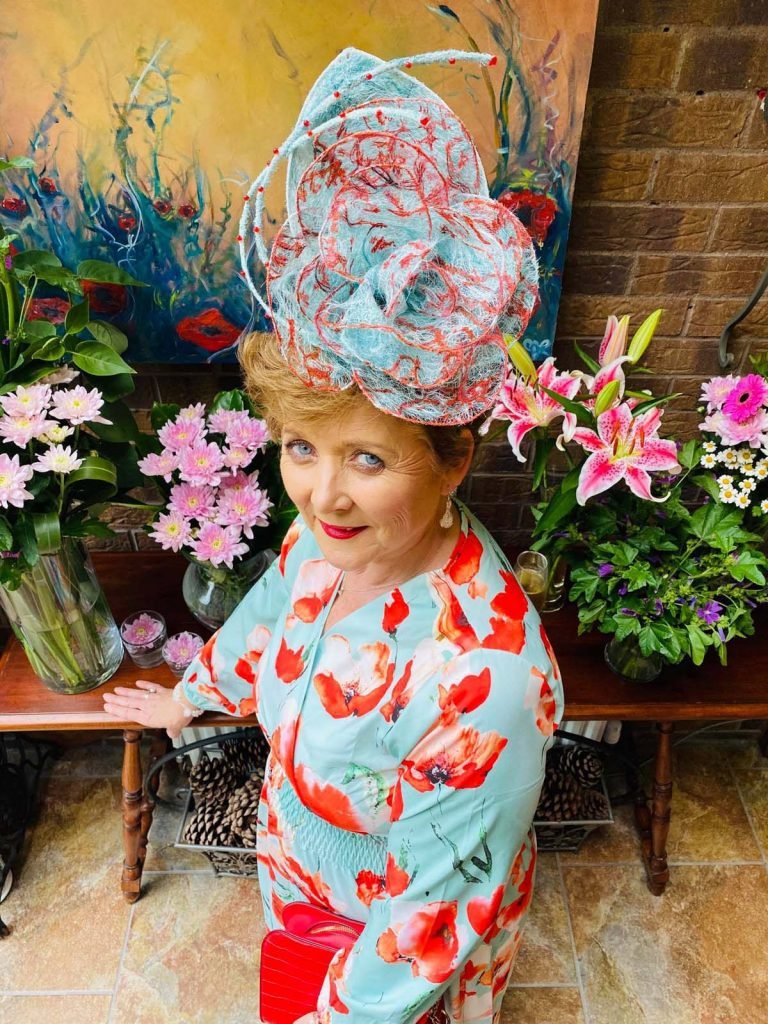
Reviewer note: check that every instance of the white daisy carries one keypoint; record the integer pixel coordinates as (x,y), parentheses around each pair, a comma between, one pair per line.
(725,480)
(727,495)
(709,446)
(748,485)
(708,461)
(742,500)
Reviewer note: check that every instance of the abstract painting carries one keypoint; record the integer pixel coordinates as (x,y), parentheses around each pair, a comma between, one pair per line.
(146,122)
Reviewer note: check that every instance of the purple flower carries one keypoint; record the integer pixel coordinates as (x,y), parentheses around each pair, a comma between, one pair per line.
(710,612)
(659,606)
(721,633)
(628,611)
(8,263)
(5,341)
(622,589)
(605,569)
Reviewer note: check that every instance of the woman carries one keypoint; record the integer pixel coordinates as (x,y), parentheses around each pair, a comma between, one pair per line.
(405,684)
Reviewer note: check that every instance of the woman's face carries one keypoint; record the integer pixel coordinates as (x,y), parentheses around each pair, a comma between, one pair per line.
(367,487)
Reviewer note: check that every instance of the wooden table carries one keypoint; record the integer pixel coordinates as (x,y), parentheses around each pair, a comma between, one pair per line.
(153,580)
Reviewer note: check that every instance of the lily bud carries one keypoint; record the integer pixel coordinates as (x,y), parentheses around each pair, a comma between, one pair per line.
(614,341)
(521,361)
(607,396)
(643,335)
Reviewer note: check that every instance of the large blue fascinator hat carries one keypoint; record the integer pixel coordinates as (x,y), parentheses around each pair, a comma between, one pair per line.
(394,270)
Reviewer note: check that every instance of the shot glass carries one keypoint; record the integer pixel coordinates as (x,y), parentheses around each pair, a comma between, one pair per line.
(532,571)
(180,650)
(143,634)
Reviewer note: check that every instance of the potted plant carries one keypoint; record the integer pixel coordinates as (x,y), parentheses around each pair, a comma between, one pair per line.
(660,554)
(223,504)
(67,445)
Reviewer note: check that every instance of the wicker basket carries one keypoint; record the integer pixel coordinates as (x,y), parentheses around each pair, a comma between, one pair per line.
(567,836)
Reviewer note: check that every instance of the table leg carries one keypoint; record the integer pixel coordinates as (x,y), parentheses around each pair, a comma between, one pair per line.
(160,745)
(653,825)
(133,861)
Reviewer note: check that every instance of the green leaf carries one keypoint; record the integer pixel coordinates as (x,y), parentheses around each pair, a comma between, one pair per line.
(578,410)
(543,449)
(650,403)
(26,540)
(122,425)
(118,386)
(34,329)
(99,360)
(59,277)
(697,643)
(6,534)
(228,400)
(47,532)
(689,456)
(588,361)
(95,480)
(77,317)
(32,259)
(48,349)
(106,273)
(107,334)
(563,503)
(162,412)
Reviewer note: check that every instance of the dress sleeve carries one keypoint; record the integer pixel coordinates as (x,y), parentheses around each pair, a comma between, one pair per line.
(460,857)
(224,675)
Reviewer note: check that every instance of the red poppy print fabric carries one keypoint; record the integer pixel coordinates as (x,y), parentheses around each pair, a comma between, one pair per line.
(408,746)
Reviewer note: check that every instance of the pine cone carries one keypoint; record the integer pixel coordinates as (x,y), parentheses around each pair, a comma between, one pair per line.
(212,780)
(580,762)
(243,808)
(594,806)
(209,827)
(246,753)
(560,797)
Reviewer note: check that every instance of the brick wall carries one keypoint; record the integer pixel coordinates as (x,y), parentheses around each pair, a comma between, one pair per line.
(671,209)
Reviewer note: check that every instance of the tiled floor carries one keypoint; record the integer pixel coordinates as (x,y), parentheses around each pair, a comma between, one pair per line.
(599,948)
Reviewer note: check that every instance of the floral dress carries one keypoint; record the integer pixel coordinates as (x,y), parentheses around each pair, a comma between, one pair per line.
(407,754)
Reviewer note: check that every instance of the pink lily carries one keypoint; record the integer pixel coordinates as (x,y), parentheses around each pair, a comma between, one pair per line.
(527,406)
(614,343)
(624,448)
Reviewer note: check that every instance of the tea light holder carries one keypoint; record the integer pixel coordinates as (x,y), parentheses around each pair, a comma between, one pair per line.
(180,650)
(144,634)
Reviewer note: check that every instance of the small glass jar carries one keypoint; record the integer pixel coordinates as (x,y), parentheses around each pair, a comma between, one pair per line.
(144,634)
(180,650)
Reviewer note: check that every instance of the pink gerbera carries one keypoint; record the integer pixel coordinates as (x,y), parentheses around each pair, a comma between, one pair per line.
(219,545)
(746,398)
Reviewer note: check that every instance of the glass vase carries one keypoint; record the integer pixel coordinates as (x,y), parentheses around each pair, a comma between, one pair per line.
(62,620)
(213,592)
(554,598)
(628,661)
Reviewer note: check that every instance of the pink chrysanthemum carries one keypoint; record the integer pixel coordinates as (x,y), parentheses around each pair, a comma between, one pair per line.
(201,463)
(246,432)
(142,630)
(78,405)
(239,482)
(165,464)
(180,649)
(243,508)
(13,476)
(26,401)
(715,391)
(753,431)
(20,430)
(172,531)
(237,458)
(180,434)
(219,422)
(192,502)
(746,398)
(192,412)
(219,545)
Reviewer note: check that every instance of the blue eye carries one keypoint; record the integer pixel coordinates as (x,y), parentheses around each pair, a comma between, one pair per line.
(301,449)
(369,461)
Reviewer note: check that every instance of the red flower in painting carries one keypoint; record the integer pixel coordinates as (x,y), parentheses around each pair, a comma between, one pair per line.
(427,940)
(186,210)
(289,664)
(14,205)
(453,755)
(467,694)
(105,298)
(126,221)
(47,185)
(52,310)
(353,686)
(535,209)
(395,613)
(163,207)
(209,330)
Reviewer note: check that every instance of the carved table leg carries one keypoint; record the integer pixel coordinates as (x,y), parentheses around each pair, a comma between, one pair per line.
(132,815)
(654,832)
(160,744)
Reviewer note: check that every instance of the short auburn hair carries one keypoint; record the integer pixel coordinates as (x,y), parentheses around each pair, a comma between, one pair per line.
(281,395)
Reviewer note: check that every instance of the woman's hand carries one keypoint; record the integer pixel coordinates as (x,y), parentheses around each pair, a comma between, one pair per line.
(150,705)
(308,1018)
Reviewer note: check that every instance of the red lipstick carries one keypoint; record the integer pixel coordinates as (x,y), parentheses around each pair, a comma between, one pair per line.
(341,532)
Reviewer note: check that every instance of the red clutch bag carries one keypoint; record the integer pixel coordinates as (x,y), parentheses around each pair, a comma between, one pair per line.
(295,960)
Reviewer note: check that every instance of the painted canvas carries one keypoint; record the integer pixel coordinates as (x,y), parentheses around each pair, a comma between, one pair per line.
(147,121)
